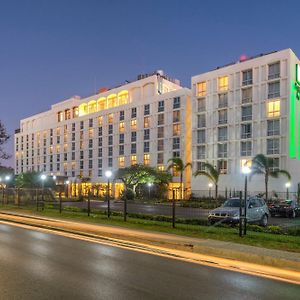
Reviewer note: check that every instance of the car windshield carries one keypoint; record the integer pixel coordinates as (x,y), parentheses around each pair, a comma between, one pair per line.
(234,202)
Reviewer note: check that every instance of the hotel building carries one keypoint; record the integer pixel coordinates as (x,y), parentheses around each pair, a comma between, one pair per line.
(246,108)
(147,121)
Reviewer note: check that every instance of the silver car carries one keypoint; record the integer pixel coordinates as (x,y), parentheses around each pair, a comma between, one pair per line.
(229,212)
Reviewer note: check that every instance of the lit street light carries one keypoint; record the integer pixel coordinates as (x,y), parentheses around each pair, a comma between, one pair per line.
(210,185)
(287,185)
(43,178)
(67,188)
(149,184)
(108,175)
(246,170)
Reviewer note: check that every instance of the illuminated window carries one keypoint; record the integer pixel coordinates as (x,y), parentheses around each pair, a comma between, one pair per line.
(133,160)
(176,129)
(92,107)
(83,109)
(101,103)
(110,118)
(75,112)
(121,161)
(273,109)
(161,168)
(123,97)
(146,122)
(146,159)
(201,89)
(91,133)
(67,114)
(60,116)
(112,101)
(100,120)
(223,83)
(121,127)
(133,124)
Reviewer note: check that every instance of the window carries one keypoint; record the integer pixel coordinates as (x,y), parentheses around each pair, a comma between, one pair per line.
(121,138)
(247,77)
(100,131)
(133,136)
(146,159)
(146,109)
(273,127)
(121,127)
(110,162)
(133,148)
(273,109)
(246,95)
(176,102)
(100,121)
(201,86)
(121,162)
(160,119)
(201,152)
(133,160)
(146,122)
(100,142)
(246,131)
(75,112)
(222,150)
(160,145)
(146,134)
(100,163)
(121,149)
(110,151)
(176,143)
(201,166)
(100,173)
(90,143)
(133,112)
(161,106)
(160,132)
(201,105)
(246,148)
(176,116)
(223,100)
(223,83)
(110,118)
(146,146)
(275,164)
(110,140)
(222,166)
(160,158)
(133,124)
(222,115)
(91,122)
(67,114)
(247,113)
(222,134)
(122,115)
(273,89)
(201,137)
(100,152)
(90,153)
(176,153)
(201,120)
(272,146)
(274,70)
(60,116)
(176,129)
(110,129)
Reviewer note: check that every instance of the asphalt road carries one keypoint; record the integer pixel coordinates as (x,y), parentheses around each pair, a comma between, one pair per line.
(36,265)
(166,210)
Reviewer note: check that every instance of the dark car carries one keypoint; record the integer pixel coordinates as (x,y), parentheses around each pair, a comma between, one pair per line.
(229,212)
(285,208)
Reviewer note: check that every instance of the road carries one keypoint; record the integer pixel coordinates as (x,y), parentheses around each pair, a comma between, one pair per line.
(38,265)
(166,210)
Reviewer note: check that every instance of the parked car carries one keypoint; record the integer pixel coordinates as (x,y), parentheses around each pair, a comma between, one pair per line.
(285,208)
(229,212)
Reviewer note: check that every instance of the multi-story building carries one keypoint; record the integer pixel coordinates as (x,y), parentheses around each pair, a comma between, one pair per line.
(147,121)
(243,109)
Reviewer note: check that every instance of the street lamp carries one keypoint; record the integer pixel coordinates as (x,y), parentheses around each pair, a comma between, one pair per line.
(108,175)
(287,185)
(210,185)
(43,178)
(149,184)
(246,170)
(67,188)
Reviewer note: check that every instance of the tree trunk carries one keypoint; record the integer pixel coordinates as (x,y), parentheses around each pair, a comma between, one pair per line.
(266,186)
(181,184)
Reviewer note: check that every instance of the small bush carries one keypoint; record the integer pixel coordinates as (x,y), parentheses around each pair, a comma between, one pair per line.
(274,229)
(255,228)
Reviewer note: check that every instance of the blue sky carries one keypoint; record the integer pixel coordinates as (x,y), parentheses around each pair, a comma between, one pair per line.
(51,50)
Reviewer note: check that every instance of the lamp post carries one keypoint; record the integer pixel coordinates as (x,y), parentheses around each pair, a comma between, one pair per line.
(43,178)
(67,188)
(149,184)
(246,170)
(2,187)
(108,175)
(210,185)
(287,185)
(7,179)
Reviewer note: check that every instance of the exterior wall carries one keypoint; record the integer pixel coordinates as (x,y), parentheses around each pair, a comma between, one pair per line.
(86,141)
(259,120)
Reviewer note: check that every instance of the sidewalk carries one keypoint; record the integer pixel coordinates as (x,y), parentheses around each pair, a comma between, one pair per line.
(178,245)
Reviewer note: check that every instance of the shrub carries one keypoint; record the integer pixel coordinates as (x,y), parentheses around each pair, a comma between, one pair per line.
(255,228)
(274,229)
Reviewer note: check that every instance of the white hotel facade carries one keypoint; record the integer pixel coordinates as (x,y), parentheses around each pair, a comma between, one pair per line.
(230,114)
(147,121)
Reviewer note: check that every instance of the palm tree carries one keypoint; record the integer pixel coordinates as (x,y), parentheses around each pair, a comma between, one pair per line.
(178,165)
(213,174)
(262,165)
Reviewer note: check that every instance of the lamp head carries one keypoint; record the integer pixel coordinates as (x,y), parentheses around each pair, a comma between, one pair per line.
(108,174)
(43,177)
(210,185)
(288,184)
(246,170)
(7,178)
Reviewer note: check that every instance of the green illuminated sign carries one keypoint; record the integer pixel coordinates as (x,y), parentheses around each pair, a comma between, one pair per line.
(297,83)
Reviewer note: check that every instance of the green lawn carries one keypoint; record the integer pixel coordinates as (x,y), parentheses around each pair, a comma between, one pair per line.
(259,239)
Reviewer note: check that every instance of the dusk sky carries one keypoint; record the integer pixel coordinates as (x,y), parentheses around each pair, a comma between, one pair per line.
(51,50)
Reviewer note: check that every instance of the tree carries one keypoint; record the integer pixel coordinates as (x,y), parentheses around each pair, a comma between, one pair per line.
(213,174)
(262,165)
(178,165)
(3,139)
